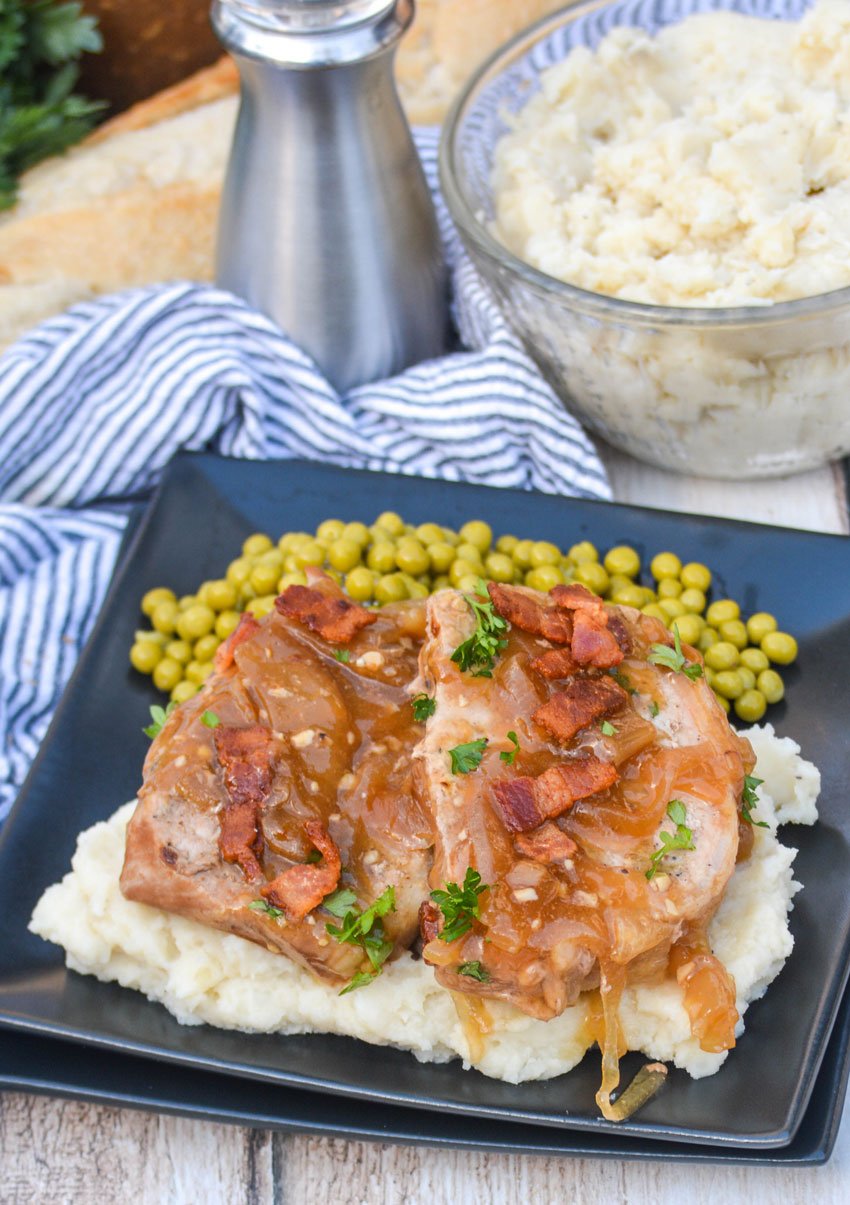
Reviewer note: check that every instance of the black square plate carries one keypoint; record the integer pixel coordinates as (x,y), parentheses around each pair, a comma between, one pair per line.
(92,756)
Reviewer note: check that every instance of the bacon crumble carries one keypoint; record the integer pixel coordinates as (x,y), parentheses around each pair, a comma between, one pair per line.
(531,613)
(545,844)
(556,663)
(333,617)
(429,920)
(244,755)
(299,889)
(578,704)
(524,803)
(244,630)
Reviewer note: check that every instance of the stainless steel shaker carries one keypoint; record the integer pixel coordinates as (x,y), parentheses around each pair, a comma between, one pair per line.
(326,223)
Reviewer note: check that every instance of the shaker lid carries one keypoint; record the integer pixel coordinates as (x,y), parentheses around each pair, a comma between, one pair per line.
(310,33)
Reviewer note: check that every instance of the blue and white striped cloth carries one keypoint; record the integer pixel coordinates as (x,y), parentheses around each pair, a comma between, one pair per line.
(94,403)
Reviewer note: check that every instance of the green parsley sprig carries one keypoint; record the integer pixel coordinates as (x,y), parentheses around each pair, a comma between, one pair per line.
(477,655)
(508,756)
(342,655)
(267,908)
(466,758)
(423,707)
(675,659)
(750,799)
(158,715)
(460,905)
(683,838)
(364,929)
(210,720)
(607,728)
(474,970)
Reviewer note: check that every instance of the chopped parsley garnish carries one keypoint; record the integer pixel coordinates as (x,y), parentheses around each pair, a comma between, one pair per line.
(750,799)
(623,680)
(508,756)
(364,929)
(474,970)
(423,707)
(682,838)
(607,728)
(460,905)
(478,654)
(159,715)
(662,654)
(312,857)
(342,655)
(210,720)
(654,709)
(466,758)
(269,909)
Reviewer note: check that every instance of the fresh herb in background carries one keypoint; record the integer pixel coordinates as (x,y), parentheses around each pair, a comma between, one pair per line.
(158,714)
(478,653)
(40,44)
(662,654)
(508,756)
(466,758)
(460,905)
(750,799)
(474,970)
(683,838)
(423,707)
(364,929)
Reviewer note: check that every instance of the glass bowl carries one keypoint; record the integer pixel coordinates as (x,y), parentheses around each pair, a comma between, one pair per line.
(751,391)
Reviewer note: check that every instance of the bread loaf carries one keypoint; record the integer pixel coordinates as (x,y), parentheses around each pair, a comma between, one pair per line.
(137,202)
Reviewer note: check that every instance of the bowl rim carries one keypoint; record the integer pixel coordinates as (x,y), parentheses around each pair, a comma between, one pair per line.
(599,305)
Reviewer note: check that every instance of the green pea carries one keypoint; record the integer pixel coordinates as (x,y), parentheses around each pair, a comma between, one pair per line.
(616,581)
(469,583)
(626,596)
(751,706)
(583,551)
(696,576)
(203,593)
(226,623)
(544,578)
(247,592)
(204,648)
(469,552)
(292,540)
(360,583)
(693,600)
(592,575)
(747,677)
(429,533)
(499,567)
(545,553)
(522,554)
(728,684)
(330,530)
(690,627)
(181,650)
(334,575)
(665,565)
(669,587)
(145,655)
(623,560)
(381,557)
(655,611)
(186,601)
(441,582)
(390,588)
(460,568)
(779,647)
(709,675)
(671,607)
(721,611)
(478,533)
(239,571)
(708,637)
(167,673)
(418,589)
(183,691)
(442,555)
(264,578)
(735,632)
(506,544)
(296,578)
(759,625)
(754,659)
(411,557)
(312,553)
(221,595)
(256,544)
(197,671)
(722,655)
(451,537)
(262,605)
(724,703)
(164,617)
(771,685)
(153,598)
(344,554)
(358,532)
(391,522)
(274,558)
(195,622)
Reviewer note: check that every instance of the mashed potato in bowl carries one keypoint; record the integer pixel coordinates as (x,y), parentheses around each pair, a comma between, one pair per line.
(202,975)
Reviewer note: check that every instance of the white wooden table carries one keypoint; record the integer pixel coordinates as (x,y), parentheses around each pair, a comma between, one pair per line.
(72,1154)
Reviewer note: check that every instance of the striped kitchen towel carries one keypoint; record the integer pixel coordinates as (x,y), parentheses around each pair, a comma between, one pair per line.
(94,403)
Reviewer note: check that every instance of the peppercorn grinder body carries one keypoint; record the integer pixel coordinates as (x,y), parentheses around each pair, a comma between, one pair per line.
(326,222)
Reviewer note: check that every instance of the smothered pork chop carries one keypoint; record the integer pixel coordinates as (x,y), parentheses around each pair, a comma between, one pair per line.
(540,792)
